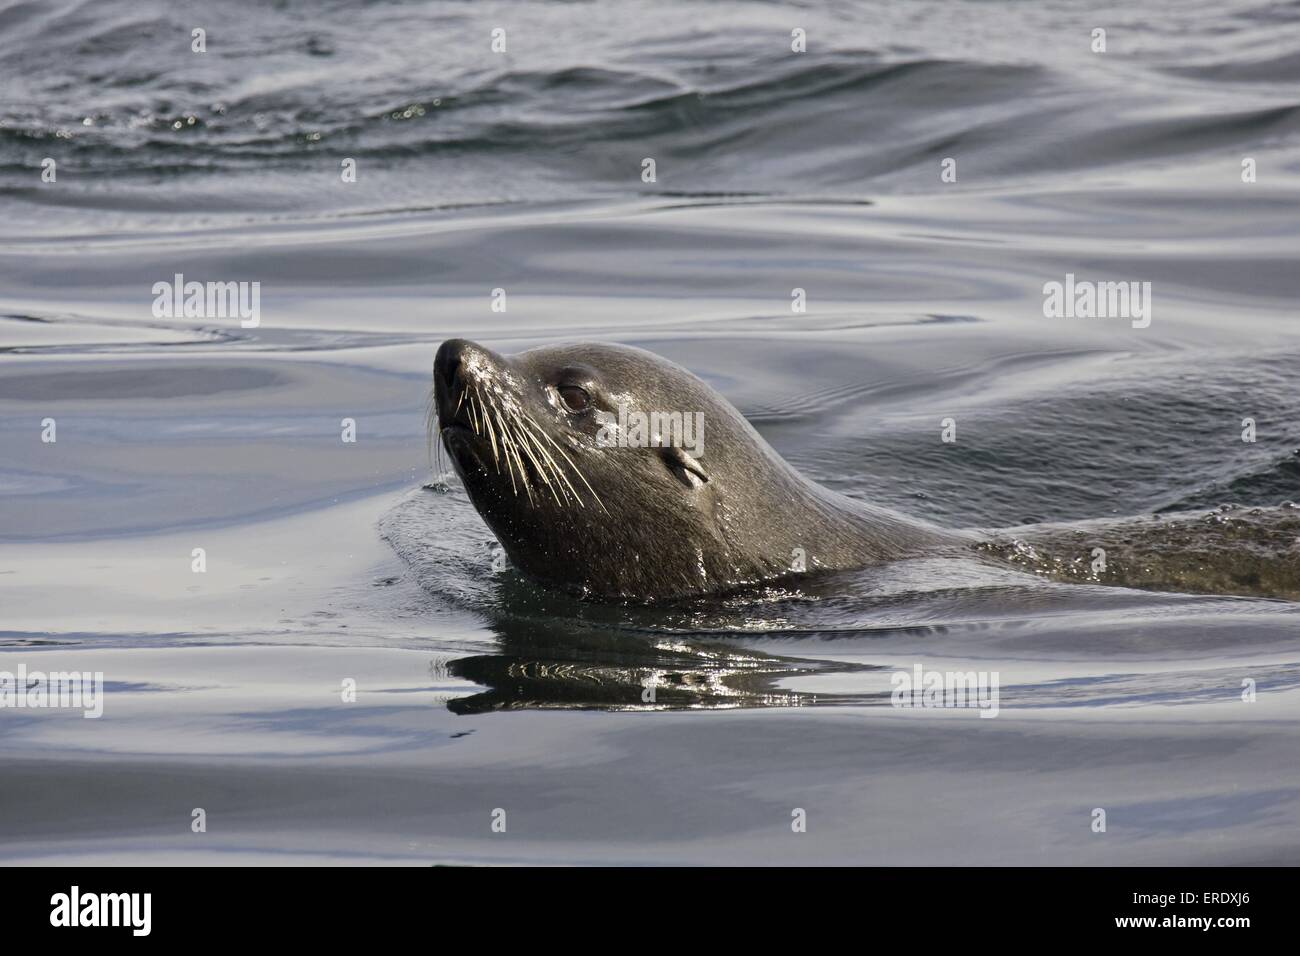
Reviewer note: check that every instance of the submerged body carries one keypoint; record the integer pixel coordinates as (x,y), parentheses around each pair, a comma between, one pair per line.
(582,502)
(1243,551)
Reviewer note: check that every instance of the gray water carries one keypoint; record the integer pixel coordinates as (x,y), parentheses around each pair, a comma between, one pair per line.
(329,561)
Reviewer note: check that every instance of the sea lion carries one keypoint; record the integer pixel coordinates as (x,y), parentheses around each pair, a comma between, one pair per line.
(573,457)
(581,501)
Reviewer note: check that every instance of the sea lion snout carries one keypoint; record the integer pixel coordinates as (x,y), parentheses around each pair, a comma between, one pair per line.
(446,364)
(458,365)
(454,355)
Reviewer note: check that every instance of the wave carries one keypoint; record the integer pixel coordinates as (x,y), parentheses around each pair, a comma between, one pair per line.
(717,98)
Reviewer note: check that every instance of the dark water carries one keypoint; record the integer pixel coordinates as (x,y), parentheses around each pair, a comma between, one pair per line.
(329,561)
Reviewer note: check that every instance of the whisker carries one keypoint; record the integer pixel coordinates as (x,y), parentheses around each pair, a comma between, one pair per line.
(505,451)
(517,437)
(434,450)
(492,436)
(576,469)
(430,421)
(507,445)
(530,444)
(560,470)
(524,477)
(567,488)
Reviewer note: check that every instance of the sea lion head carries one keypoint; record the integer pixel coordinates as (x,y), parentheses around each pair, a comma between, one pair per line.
(611,472)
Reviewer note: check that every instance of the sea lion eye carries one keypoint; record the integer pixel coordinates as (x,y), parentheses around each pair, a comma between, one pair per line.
(574,396)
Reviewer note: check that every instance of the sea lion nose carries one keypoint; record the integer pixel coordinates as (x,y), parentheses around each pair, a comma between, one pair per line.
(460,365)
(462,362)
(447,363)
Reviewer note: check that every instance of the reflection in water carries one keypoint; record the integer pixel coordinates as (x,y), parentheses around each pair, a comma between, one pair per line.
(540,666)
(558,652)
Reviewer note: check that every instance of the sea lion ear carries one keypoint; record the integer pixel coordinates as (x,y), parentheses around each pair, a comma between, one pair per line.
(685,466)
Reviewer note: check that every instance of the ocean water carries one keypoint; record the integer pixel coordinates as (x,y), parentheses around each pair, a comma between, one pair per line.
(480,698)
